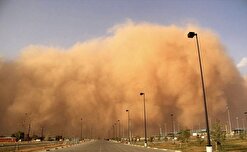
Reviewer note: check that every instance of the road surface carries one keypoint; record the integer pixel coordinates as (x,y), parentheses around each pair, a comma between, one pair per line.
(106,146)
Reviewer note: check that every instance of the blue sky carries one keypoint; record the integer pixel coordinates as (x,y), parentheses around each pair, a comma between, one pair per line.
(62,23)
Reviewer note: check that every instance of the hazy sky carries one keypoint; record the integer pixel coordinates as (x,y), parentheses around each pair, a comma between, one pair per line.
(62,23)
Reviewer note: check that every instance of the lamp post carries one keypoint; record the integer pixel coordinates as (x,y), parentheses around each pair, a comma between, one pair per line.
(245,113)
(128,125)
(113,132)
(81,128)
(243,123)
(237,123)
(116,132)
(145,122)
(173,130)
(42,133)
(165,131)
(119,136)
(229,119)
(209,146)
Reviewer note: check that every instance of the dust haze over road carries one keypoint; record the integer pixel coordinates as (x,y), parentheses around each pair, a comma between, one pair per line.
(100,78)
(103,146)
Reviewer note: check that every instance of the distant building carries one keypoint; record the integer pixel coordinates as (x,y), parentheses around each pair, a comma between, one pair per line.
(238,131)
(199,132)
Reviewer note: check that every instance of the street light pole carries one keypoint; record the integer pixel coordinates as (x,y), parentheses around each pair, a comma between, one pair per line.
(81,128)
(119,136)
(128,125)
(245,118)
(165,131)
(229,119)
(116,135)
(145,122)
(113,132)
(209,146)
(116,132)
(238,129)
(243,123)
(173,130)
(237,123)
(42,133)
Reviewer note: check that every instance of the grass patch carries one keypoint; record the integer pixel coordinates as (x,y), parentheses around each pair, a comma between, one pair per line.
(233,145)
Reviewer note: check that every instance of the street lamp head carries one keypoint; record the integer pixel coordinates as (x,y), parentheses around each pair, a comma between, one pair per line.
(191,34)
(142,93)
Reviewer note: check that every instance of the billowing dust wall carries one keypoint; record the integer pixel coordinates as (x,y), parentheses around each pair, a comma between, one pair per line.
(99,79)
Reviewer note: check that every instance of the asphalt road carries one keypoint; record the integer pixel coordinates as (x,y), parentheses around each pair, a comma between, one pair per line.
(106,146)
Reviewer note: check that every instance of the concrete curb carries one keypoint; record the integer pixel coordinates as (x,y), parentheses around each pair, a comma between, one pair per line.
(65,146)
(154,148)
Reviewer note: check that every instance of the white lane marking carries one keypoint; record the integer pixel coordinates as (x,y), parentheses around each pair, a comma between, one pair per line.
(100,147)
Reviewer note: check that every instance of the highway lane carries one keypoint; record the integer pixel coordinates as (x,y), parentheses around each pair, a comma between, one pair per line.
(106,146)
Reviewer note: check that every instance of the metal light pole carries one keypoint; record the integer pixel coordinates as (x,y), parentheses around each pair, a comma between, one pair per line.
(173,130)
(128,125)
(116,132)
(243,123)
(145,122)
(209,146)
(165,130)
(119,136)
(245,117)
(237,123)
(113,132)
(115,127)
(81,128)
(229,119)
(42,133)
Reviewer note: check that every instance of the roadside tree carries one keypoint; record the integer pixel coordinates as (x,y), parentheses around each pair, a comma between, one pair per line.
(18,135)
(184,136)
(218,135)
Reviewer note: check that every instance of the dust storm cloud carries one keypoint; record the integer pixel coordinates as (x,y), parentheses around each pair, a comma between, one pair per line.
(99,79)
